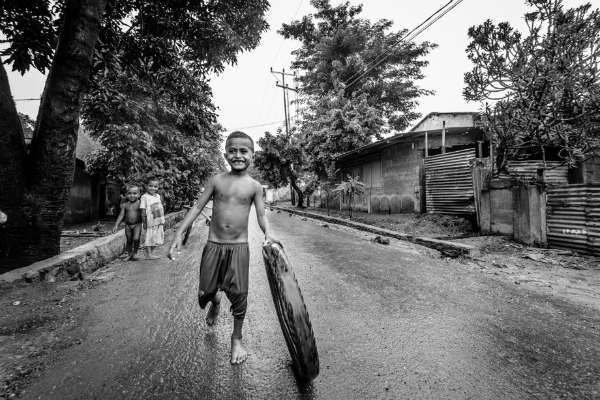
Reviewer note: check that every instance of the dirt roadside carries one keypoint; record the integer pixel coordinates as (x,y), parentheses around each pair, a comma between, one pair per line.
(562,273)
(36,320)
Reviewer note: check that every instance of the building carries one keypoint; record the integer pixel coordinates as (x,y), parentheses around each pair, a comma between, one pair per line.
(91,197)
(392,169)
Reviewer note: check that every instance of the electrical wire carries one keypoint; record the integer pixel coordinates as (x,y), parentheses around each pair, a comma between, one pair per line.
(402,38)
(408,37)
(259,125)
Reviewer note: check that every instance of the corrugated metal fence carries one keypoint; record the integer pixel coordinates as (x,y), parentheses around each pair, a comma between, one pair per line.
(553,173)
(449,183)
(573,219)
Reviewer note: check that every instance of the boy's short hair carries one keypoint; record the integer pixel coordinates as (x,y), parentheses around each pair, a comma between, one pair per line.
(240,135)
(153,180)
(130,186)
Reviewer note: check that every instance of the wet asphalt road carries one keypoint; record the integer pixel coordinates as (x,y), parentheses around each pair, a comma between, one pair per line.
(391,322)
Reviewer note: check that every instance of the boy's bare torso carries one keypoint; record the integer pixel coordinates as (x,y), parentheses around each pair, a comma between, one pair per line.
(232,197)
(133,213)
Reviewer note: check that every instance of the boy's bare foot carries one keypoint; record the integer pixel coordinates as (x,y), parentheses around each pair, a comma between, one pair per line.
(132,258)
(213,313)
(238,352)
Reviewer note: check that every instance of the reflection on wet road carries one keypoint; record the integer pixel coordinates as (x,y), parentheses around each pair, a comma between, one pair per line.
(391,322)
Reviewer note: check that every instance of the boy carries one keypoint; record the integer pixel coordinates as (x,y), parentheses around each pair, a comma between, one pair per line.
(131,213)
(153,217)
(225,258)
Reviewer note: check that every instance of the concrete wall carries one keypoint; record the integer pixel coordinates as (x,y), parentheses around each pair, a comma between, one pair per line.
(496,211)
(529,217)
(512,208)
(435,120)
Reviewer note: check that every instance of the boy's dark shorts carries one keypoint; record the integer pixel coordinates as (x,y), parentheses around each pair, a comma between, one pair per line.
(224,266)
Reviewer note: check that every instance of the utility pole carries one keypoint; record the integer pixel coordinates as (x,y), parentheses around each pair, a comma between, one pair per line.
(286,98)
(286,111)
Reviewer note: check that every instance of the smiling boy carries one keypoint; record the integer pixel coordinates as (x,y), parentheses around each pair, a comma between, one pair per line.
(225,259)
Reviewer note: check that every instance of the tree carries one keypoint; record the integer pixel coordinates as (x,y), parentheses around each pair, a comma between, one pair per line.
(161,121)
(281,161)
(350,188)
(342,109)
(544,86)
(145,49)
(36,184)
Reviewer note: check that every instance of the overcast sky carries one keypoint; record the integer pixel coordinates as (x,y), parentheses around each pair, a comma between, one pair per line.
(246,94)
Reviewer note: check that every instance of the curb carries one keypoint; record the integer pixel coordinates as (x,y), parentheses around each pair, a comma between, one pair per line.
(79,261)
(447,248)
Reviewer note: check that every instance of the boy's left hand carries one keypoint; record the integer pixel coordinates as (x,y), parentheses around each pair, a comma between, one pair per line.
(270,239)
(175,247)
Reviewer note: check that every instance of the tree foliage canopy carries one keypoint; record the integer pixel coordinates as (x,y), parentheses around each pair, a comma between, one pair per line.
(281,160)
(544,86)
(149,101)
(339,112)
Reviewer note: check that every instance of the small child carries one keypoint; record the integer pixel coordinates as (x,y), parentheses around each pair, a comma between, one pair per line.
(225,259)
(131,213)
(153,217)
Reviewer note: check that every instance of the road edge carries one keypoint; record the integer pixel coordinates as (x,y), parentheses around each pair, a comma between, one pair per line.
(79,261)
(445,247)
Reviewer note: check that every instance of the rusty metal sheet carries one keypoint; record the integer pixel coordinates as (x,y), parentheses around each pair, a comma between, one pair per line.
(553,173)
(449,184)
(573,219)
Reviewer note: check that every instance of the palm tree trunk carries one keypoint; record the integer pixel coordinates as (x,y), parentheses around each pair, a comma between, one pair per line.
(52,156)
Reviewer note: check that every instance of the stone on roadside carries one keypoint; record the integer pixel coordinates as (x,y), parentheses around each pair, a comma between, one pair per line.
(534,256)
(325,225)
(381,240)
(305,219)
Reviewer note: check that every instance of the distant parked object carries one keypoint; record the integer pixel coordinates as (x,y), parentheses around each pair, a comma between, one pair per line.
(3,218)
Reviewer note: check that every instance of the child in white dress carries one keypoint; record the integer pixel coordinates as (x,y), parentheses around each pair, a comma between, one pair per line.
(153,218)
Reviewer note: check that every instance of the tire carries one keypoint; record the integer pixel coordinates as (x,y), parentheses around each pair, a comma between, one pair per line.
(291,312)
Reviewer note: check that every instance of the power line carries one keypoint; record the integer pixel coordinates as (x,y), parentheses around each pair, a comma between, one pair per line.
(282,40)
(402,38)
(408,37)
(259,125)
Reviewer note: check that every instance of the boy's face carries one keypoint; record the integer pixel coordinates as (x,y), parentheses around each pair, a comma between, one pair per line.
(238,153)
(152,187)
(133,193)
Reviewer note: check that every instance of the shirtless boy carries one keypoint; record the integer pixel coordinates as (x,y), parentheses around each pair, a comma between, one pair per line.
(225,258)
(132,215)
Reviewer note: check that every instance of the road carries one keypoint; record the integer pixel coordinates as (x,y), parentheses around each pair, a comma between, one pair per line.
(391,322)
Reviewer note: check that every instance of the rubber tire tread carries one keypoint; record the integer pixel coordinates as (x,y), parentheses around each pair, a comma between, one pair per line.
(291,312)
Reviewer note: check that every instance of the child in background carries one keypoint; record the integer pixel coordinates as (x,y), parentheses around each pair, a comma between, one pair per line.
(132,215)
(153,217)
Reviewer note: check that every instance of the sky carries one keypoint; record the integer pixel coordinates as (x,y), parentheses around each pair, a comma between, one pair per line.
(246,94)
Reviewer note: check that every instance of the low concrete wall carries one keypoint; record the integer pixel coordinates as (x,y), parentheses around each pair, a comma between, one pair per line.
(448,249)
(82,260)
(514,208)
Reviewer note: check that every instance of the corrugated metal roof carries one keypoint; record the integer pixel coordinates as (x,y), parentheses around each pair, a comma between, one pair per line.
(399,138)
